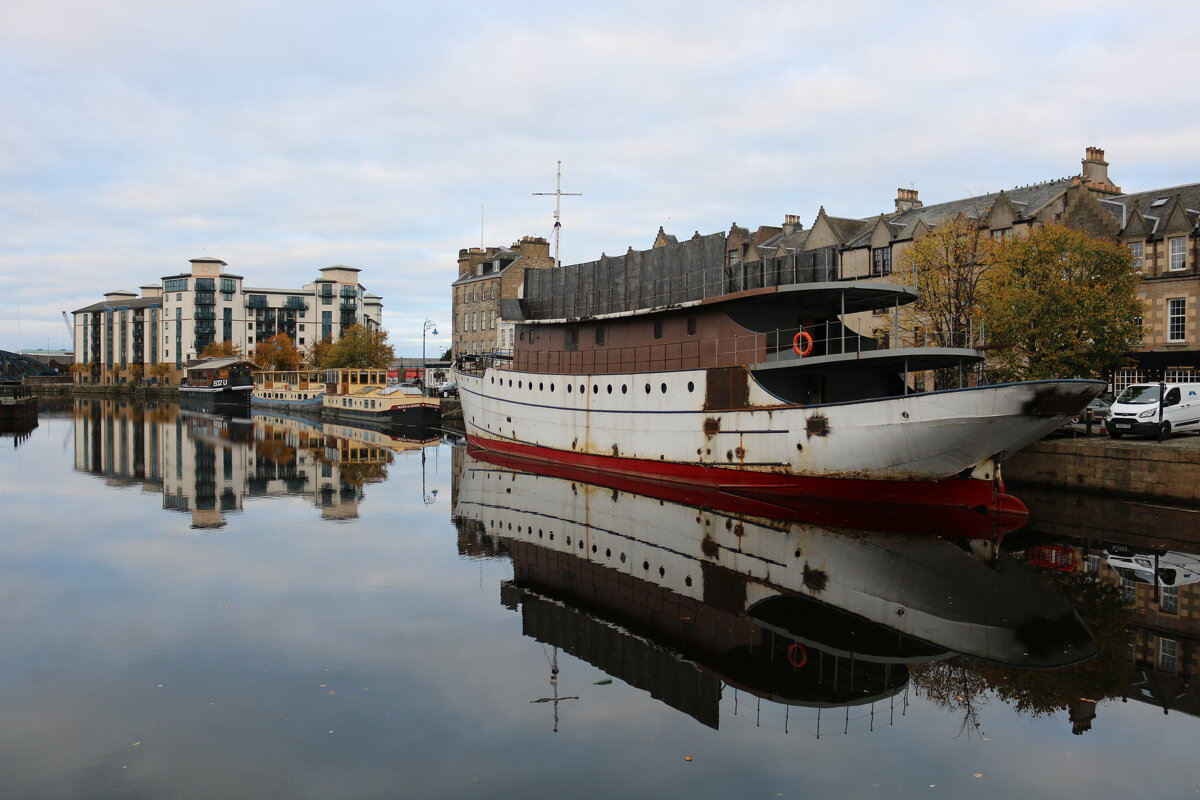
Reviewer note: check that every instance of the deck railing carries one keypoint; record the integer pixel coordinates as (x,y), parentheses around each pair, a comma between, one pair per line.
(781,346)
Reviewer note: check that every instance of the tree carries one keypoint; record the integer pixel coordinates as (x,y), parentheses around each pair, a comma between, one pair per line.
(135,372)
(948,267)
(360,347)
(448,355)
(277,353)
(318,353)
(225,349)
(1060,303)
(160,370)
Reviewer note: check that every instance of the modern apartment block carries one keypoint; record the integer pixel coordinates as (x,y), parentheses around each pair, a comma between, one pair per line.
(123,336)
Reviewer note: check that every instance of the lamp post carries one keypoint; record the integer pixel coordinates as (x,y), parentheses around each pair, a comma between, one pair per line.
(428,327)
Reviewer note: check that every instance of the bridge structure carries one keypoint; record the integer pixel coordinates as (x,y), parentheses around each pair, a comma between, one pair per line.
(14,367)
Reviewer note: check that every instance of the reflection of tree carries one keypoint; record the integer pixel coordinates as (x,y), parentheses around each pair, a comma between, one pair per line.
(962,683)
(276,451)
(357,474)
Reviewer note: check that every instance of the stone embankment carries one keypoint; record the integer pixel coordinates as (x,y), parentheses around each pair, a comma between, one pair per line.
(1143,469)
(49,387)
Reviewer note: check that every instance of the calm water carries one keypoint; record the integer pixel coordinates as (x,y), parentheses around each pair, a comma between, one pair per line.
(198,608)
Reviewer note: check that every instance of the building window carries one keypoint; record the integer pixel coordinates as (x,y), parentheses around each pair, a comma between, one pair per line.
(691,326)
(1000,234)
(1178,258)
(658,329)
(1181,375)
(600,336)
(1176,327)
(175,285)
(228,285)
(1136,249)
(881,261)
(1168,600)
(1168,652)
(1126,377)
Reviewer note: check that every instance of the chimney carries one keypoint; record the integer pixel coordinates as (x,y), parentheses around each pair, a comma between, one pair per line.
(792,223)
(1095,172)
(534,247)
(906,199)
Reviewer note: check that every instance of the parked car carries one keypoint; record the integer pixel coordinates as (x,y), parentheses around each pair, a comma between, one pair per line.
(1099,407)
(448,389)
(1138,409)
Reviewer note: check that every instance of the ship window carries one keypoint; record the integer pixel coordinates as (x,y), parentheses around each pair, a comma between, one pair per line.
(624,389)
(691,386)
(647,388)
(600,336)
(691,326)
(664,388)
(581,389)
(595,388)
(570,388)
(518,384)
(541,387)
(658,329)
(552,387)
(610,388)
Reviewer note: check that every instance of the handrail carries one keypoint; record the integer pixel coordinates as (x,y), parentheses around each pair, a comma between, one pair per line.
(780,346)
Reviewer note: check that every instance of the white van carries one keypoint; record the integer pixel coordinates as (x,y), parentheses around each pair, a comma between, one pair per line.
(1136,410)
(1166,568)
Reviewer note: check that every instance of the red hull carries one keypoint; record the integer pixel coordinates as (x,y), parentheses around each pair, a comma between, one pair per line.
(955,506)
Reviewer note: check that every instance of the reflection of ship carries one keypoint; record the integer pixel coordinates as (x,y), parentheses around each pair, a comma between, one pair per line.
(681,600)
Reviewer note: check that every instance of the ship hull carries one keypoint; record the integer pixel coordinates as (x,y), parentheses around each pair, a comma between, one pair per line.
(937,448)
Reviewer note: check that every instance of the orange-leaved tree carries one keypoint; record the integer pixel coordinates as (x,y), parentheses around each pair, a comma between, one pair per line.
(276,353)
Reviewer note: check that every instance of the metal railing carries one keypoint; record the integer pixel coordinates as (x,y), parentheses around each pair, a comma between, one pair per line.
(781,346)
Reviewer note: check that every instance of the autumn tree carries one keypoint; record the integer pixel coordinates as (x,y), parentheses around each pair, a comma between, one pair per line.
(318,353)
(948,267)
(277,353)
(360,347)
(160,370)
(225,349)
(1060,303)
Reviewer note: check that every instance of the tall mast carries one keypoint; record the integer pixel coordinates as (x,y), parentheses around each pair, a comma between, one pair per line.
(558,195)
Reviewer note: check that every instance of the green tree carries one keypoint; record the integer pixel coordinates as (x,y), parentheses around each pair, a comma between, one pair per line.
(360,347)
(948,267)
(277,353)
(1060,303)
(448,355)
(318,353)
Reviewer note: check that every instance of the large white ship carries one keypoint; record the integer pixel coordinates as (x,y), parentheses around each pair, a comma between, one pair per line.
(750,380)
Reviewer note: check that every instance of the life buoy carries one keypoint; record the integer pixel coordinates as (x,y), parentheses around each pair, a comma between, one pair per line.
(797,655)
(808,346)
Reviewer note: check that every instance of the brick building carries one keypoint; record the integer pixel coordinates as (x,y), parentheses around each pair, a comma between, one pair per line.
(486,277)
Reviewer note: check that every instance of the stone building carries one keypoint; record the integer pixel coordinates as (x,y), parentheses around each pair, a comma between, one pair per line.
(124,335)
(486,277)
(1161,227)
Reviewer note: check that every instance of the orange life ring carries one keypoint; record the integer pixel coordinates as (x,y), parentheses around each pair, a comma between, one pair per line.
(807,337)
(792,650)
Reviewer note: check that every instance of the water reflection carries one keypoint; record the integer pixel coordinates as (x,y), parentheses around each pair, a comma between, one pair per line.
(205,466)
(690,595)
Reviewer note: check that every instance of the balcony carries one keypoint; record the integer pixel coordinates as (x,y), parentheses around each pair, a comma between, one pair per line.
(349,291)
(205,314)
(205,329)
(296,303)
(348,304)
(256,301)
(206,298)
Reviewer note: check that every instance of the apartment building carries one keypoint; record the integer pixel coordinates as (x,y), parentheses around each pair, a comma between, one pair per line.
(486,278)
(124,335)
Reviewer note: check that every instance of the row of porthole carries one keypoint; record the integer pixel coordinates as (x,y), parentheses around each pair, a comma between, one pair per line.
(691,387)
(662,572)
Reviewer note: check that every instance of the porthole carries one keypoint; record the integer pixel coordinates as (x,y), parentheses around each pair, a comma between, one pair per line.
(541,387)
(610,388)
(493,379)
(608,552)
(646,565)
(691,386)
(647,388)
(510,382)
(568,541)
(582,388)
(570,388)
(552,536)
(664,388)
(581,544)
(518,384)
(624,389)
(687,581)
(622,558)
(594,548)
(552,387)
(595,388)
(662,572)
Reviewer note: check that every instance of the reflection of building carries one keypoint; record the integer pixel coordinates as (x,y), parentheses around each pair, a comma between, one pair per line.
(685,600)
(123,336)
(1164,646)
(206,466)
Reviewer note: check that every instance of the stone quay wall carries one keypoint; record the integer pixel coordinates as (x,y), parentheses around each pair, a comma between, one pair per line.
(1137,469)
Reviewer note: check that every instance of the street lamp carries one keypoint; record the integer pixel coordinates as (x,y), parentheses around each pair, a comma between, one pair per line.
(428,327)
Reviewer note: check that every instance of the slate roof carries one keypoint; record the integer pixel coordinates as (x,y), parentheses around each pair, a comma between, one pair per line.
(1026,199)
(1122,207)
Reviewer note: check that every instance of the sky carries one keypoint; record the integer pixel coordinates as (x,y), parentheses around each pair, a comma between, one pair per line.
(283,137)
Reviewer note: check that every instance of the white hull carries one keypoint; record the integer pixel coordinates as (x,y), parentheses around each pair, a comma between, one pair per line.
(924,436)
